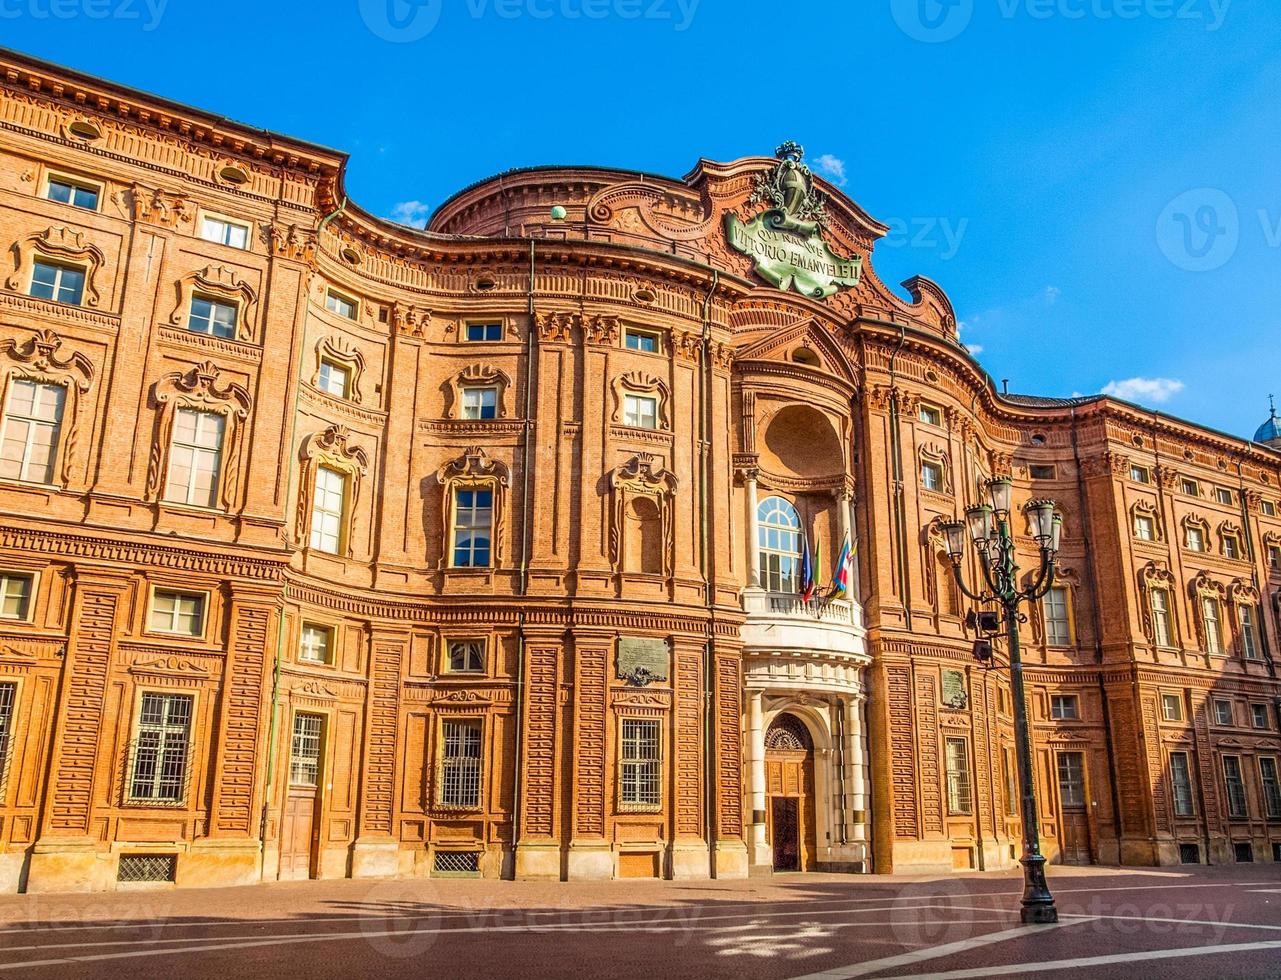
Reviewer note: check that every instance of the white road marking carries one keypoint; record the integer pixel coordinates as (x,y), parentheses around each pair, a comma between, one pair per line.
(930,953)
(1085,962)
(1183,922)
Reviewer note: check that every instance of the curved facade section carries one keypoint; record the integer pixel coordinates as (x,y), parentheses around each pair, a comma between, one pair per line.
(329,547)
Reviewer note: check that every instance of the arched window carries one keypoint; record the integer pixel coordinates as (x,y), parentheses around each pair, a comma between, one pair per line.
(779,535)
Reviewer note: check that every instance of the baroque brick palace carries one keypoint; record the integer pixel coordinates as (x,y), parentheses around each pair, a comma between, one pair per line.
(331,547)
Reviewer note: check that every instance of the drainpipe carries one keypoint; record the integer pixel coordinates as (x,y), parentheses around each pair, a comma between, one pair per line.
(900,512)
(709,595)
(290,459)
(1113,791)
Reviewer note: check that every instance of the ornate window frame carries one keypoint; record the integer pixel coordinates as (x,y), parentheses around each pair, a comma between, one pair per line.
(936,455)
(642,476)
(474,469)
(479,376)
(462,713)
(1069,580)
(167,681)
(219,282)
(1203,589)
(1200,523)
(1151,578)
(64,246)
(37,360)
(1146,508)
(640,383)
(655,716)
(197,389)
(331,448)
(333,349)
(1242,594)
(1228,530)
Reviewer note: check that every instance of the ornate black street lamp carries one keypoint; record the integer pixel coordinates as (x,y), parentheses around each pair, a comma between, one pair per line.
(989,527)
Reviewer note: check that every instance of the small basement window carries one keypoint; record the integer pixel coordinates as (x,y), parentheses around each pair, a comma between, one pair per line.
(147,867)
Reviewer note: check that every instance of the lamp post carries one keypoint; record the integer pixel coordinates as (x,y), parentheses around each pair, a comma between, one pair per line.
(988,526)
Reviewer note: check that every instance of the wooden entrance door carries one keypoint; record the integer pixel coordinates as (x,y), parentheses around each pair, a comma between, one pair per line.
(300,828)
(789,782)
(1074,831)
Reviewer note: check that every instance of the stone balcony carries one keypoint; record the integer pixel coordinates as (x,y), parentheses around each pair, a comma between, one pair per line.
(788,643)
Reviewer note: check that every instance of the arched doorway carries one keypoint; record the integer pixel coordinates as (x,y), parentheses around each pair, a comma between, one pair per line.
(789,782)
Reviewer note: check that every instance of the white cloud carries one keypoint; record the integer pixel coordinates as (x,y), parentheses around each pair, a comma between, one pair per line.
(975,349)
(832,167)
(1144,390)
(1052,294)
(412,213)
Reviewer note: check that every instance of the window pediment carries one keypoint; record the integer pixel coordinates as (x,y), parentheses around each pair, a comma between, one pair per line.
(59,243)
(476,375)
(334,349)
(639,383)
(220,282)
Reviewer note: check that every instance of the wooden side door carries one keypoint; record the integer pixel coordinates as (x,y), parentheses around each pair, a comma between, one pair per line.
(300,828)
(1074,832)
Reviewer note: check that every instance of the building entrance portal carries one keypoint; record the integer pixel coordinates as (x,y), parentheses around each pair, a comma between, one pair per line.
(789,778)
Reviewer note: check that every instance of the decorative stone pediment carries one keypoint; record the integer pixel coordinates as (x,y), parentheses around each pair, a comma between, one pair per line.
(475,463)
(479,375)
(58,243)
(346,355)
(640,383)
(173,665)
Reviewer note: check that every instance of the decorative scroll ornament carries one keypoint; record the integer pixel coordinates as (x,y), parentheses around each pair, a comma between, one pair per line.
(58,243)
(158,207)
(785,241)
(222,282)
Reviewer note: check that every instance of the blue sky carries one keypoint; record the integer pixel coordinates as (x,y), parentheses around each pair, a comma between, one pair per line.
(1094,182)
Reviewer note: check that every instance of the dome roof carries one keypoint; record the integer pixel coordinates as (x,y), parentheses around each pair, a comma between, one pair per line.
(1269,431)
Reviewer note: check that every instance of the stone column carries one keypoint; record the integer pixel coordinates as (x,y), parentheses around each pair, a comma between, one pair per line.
(758,846)
(753,533)
(856,767)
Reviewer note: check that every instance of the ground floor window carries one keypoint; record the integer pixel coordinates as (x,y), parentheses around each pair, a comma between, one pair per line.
(161,748)
(641,765)
(304,752)
(460,764)
(957,763)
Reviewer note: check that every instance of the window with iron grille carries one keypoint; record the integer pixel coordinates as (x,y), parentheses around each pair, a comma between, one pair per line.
(641,769)
(1072,778)
(1181,784)
(147,867)
(957,764)
(1271,787)
(8,695)
(1189,854)
(456,862)
(460,764)
(161,748)
(304,750)
(1235,785)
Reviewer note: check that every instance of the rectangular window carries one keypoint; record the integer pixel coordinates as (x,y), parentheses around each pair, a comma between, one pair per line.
(32,420)
(473,527)
(1161,617)
(1210,619)
(1191,488)
(1234,783)
(1072,779)
(195,458)
(60,283)
(1268,508)
(341,305)
(1223,496)
(1249,632)
(642,340)
(1259,715)
(178,612)
(8,699)
(1195,538)
(212,316)
(1223,712)
(333,379)
(460,764)
(480,403)
(315,643)
(641,766)
(224,231)
(64,190)
(15,596)
(1065,707)
(1171,707)
(1274,557)
(481,332)
(640,411)
(931,415)
(1181,784)
(932,477)
(1231,546)
(304,749)
(161,748)
(1140,474)
(1058,629)
(1267,778)
(957,762)
(1041,471)
(328,507)
(1144,527)
(466,657)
